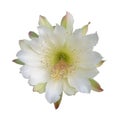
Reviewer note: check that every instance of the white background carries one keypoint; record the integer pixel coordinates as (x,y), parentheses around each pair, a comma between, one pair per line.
(17,101)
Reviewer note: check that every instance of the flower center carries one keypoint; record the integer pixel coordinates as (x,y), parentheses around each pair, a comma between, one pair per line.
(60,70)
(63,64)
(61,67)
(62,56)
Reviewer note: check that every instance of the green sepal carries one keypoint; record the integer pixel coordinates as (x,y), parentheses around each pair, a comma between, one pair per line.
(40,88)
(43,21)
(100,63)
(57,104)
(85,29)
(17,61)
(95,85)
(64,21)
(33,35)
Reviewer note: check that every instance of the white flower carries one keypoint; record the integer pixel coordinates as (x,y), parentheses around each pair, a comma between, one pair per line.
(59,59)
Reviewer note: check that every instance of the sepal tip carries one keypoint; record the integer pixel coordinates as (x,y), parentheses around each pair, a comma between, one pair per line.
(17,61)
(57,104)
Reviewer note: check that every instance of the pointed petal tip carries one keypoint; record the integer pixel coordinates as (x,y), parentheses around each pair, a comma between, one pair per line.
(85,29)
(13,60)
(41,19)
(98,89)
(95,86)
(67,13)
(44,22)
(32,34)
(89,23)
(57,104)
(17,61)
(29,34)
(101,63)
(67,22)
(41,16)
(101,90)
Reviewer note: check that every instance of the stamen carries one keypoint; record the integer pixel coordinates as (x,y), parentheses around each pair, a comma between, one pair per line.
(60,70)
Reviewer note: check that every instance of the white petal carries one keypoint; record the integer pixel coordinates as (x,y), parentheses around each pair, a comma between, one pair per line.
(29,58)
(68,89)
(37,76)
(32,46)
(81,84)
(25,45)
(83,43)
(45,32)
(97,57)
(53,91)
(78,33)
(91,39)
(87,73)
(89,59)
(25,71)
(34,74)
(60,35)
(47,36)
(36,45)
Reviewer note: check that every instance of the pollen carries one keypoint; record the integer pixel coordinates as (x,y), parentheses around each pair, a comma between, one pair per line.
(60,70)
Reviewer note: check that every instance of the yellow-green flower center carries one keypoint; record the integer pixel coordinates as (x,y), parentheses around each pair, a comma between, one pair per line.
(62,56)
(62,62)
(61,66)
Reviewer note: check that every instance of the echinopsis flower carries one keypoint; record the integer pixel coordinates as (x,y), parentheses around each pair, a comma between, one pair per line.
(59,59)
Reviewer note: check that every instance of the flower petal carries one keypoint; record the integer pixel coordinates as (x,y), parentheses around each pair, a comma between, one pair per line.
(82,43)
(60,35)
(25,45)
(90,59)
(28,54)
(36,45)
(81,84)
(29,58)
(34,74)
(67,22)
(91,39)
(53,91)
(52,38)
(68,89)
(44,22)
(87,73)
(45,33)
(25,71)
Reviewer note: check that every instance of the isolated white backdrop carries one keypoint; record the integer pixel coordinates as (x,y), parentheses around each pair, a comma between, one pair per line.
(17,101)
